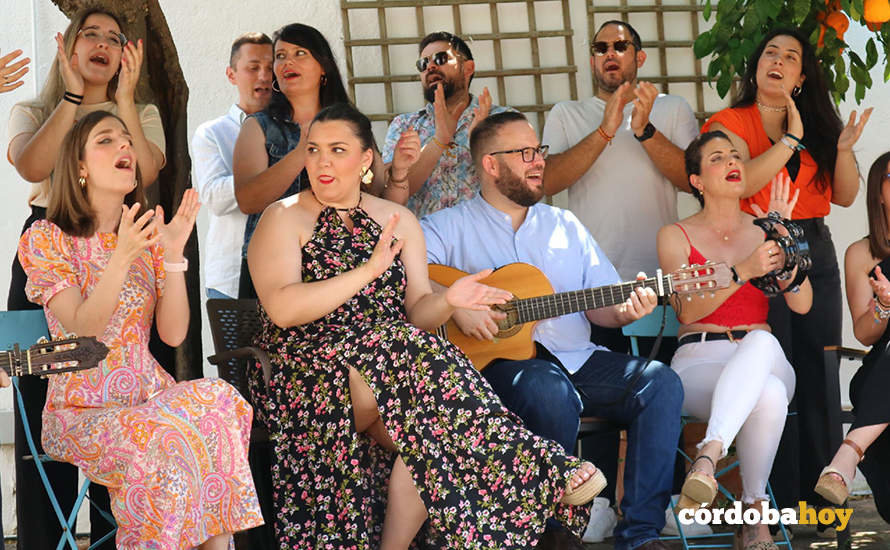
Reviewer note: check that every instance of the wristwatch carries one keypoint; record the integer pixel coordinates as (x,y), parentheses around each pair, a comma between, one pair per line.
(648,132)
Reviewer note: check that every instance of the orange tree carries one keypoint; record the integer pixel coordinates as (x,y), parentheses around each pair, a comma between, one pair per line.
(740,25)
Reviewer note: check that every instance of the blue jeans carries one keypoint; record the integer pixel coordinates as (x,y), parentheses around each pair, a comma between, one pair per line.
(213,293)
(544,396)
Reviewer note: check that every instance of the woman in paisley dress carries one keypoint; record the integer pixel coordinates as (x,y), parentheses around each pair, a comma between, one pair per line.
(173,456)
(381,428)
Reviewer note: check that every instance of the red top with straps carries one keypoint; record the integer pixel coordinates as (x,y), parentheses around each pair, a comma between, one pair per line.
(746,306)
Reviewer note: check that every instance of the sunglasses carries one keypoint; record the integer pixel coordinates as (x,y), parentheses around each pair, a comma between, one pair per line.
(601,48)
(438,59)
(528,153)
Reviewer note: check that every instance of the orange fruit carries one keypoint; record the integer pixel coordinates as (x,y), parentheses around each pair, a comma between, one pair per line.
(876,11)
(839,22)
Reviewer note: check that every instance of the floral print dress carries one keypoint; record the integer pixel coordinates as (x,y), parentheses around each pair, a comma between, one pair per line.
(173,456)
(487,482)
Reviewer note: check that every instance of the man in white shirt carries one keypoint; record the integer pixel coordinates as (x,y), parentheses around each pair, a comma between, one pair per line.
(620,153)
(250,70)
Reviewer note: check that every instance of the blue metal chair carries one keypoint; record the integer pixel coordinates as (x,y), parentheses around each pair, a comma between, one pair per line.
(649,326)
(25,328)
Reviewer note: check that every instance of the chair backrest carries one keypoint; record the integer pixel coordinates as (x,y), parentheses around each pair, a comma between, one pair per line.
(22,327)
(233,325)
(649,326)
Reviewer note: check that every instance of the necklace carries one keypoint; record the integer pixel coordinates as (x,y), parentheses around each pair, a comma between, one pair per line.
(348,210)
(771,109)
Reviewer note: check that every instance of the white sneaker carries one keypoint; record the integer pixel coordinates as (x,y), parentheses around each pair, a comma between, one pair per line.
(602,521)
(670,525)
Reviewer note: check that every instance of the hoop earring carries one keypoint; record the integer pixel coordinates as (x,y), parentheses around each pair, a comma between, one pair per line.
(367,175)
(82,181)
(795,91)
(274,82)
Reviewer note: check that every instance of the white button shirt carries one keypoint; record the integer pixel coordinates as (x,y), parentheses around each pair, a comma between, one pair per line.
(474,235)
(212,148)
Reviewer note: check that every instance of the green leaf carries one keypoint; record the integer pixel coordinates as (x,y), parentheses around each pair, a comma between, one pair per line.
(857,8)
(871,53)
(762,10)
(724,83)
(800,10)
(775,7)
(855,60)
(706,12)
(703,45)
(714,67)
(860,92)
(886,72)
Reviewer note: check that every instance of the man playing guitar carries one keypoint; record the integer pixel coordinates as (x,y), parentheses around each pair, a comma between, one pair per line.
(571,375)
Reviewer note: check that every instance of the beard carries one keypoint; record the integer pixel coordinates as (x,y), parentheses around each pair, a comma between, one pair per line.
(429,92)
(514,187)
(628,75)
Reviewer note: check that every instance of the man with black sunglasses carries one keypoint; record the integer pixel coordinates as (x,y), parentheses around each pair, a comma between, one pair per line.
(620,153)
(443,174)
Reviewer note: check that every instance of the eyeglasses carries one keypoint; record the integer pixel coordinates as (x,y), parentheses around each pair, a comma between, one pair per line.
(528,153)
(438,59)
(601,48)
(95,36)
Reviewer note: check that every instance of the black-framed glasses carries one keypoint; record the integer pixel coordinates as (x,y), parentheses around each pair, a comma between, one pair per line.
(94,35)
(528,153)
(601,48)
(438,59)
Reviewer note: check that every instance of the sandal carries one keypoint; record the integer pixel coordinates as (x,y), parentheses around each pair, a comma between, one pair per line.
(587,491)
(829,486)
(700,488)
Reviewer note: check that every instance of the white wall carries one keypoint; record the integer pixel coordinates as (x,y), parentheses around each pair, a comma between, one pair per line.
(203,32)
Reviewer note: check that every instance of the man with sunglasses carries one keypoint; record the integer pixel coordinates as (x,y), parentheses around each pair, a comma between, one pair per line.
(443,174)
(620,153)
(570,376)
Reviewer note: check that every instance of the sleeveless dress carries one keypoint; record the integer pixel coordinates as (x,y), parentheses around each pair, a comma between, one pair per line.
(486,481)
(173,456)
(868,394)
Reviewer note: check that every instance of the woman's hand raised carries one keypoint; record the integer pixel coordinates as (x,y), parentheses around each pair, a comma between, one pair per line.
(68,67)
(131,65)
(780,191)
(468,293)
(793,122)
(174,235)
(851,132)
(386,249)
(135,235)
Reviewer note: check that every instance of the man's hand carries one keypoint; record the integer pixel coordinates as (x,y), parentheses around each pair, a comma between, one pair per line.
(478,324)
(645,93)
(641,302)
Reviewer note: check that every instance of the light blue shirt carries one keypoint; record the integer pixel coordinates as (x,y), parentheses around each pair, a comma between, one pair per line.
(474,235)
(212,148)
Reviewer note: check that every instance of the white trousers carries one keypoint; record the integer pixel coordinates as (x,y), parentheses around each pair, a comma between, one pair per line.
(742,389)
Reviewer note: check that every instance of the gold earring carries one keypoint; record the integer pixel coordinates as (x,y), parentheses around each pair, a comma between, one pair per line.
(82,181)
(367,175)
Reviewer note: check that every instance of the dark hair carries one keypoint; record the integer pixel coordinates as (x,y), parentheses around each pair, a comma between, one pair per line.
(455,41)
(487,129)
(877,218)
(69,207)
(247,38)
(347,112)
(692,156)
(635,36)
(331,91)
(821,121)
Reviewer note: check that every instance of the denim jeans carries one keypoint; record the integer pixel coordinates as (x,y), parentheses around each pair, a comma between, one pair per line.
(544,396)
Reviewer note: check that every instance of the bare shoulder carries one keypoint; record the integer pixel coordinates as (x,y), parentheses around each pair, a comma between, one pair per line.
(381,210)
(288,217)
(858,256)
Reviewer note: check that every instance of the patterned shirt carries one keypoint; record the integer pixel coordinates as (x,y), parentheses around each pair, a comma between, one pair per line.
(453,179)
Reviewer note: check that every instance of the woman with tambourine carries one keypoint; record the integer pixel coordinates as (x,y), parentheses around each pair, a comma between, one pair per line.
(733,370)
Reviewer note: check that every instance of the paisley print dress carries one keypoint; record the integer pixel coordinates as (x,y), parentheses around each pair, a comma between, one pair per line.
(487,482)
(173,456)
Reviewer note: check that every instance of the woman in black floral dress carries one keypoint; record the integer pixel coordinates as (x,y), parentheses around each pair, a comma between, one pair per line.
(379,427)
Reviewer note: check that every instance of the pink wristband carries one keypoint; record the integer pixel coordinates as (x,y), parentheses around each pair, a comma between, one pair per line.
(173,268)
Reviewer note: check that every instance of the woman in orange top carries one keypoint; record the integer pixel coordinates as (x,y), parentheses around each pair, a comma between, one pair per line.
(786,122)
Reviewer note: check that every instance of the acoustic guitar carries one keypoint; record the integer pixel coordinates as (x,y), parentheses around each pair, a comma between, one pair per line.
(534,300)
(85,351)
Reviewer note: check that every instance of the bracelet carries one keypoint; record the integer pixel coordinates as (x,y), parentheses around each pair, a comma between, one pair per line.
(605,136)
(440,144)
(71,97)
(398,184)
(797,145)
(881,314)
(176,267)
(735,277)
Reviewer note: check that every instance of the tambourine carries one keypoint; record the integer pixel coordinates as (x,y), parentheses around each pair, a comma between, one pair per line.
(797,254)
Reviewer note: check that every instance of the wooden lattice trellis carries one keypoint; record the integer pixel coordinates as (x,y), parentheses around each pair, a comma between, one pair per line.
(668,40)
(359,13)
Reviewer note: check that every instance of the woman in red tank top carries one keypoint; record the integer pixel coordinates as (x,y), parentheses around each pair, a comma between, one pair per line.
(733,370)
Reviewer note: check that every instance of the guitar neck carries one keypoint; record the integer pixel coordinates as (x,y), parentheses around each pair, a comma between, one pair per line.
(564,303)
